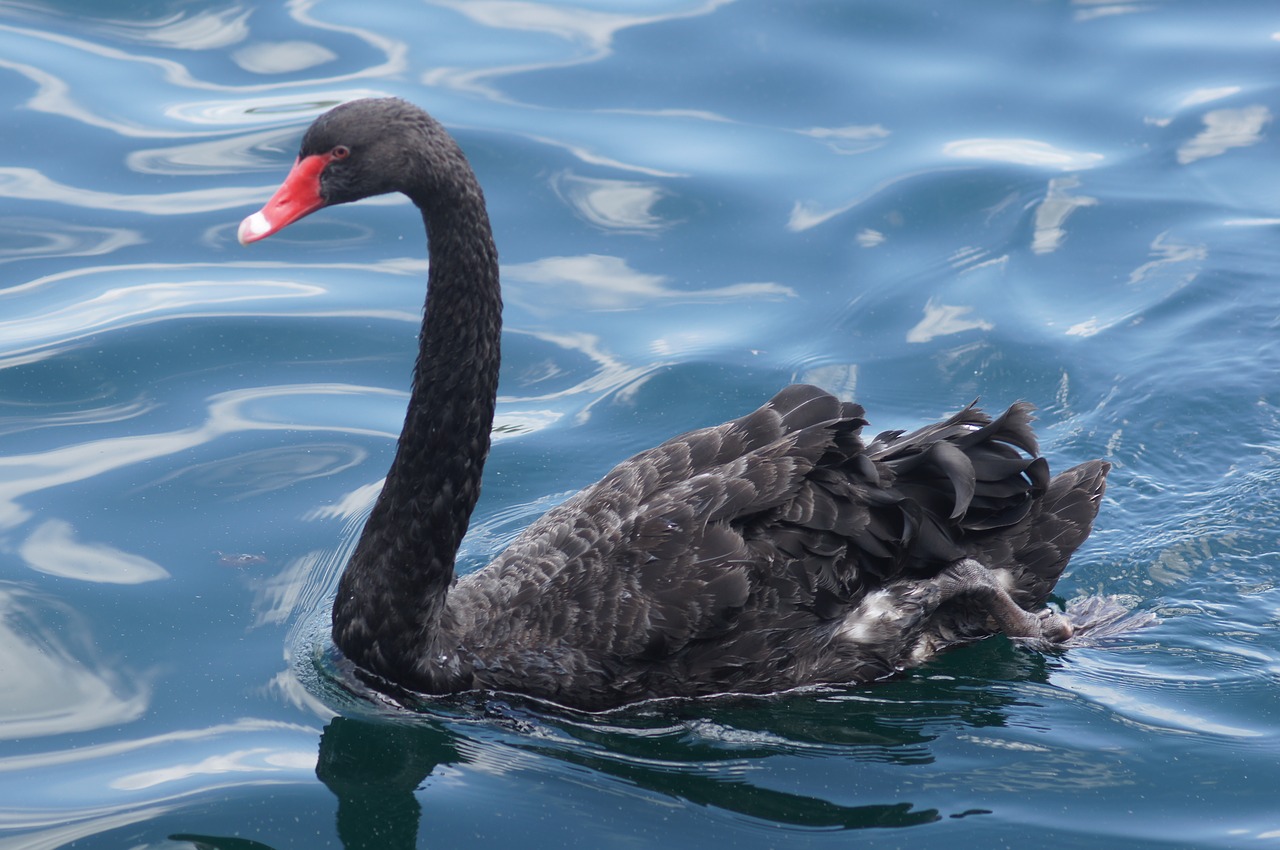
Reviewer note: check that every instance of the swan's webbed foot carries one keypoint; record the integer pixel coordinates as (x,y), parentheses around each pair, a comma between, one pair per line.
(1098,619)
(969,578)
(1055,627)
(1086,622)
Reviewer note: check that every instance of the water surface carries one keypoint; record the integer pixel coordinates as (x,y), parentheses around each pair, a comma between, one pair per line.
(910,204)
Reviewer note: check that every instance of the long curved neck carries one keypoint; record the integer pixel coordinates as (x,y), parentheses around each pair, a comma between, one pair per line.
(391,599)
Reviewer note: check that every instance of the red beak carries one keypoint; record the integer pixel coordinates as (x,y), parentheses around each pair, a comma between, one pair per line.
(298,195)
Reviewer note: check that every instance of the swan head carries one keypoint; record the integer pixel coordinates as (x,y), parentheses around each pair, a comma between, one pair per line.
(359,149)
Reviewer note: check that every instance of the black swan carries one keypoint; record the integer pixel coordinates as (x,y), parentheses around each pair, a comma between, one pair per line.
(774,551)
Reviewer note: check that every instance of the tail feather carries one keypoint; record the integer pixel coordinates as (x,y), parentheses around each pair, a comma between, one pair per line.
(1059,526)
(969,489)
(964,486)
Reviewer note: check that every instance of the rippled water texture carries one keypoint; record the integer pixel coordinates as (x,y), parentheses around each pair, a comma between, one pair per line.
(911,204)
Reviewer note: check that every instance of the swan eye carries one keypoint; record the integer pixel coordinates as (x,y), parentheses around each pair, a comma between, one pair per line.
(340,152)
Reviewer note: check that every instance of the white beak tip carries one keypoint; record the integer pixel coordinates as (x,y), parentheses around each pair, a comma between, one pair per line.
(253,228)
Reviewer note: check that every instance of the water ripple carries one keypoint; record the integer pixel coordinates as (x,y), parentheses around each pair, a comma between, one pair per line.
(696,201)
(53,679)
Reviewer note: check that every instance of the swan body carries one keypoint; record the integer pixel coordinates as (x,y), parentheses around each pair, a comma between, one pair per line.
(777,550)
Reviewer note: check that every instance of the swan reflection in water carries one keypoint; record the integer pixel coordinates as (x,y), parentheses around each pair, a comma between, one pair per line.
(392,775)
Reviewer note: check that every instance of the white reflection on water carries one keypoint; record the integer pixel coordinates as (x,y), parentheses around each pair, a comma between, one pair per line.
(63,790)
(51,681)
(276,108)
(1053,211)
(1126,701)
(249,761)
(184,740)
(214,33)
(300,586)
(591,157)
(53,95)
(1105,9)
(227,155)
(1089,327)
(45,315)
(571,23)
(88,823)
(282,57)
(29,238)
(618,205)
(1168,254)
(1225,129)
(28,184)
(808,214)
(206,29)
(83,413)
(254,473)
(51,548)
(50,42)
(1022,152)
(853,139)
(602,282)
(1176,265)
(1207,95)
(353,505)
(612,377)
(839,379)
(591,30)
(943,320)
(227,413)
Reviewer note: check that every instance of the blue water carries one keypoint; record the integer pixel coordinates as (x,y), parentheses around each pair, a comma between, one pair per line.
(910,204)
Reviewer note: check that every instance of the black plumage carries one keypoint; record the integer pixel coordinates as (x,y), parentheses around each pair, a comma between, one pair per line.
(773,551)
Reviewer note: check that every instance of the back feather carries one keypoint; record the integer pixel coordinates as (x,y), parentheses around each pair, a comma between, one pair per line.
(727,558)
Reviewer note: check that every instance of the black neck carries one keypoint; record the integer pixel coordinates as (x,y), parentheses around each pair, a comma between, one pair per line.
(391,600)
